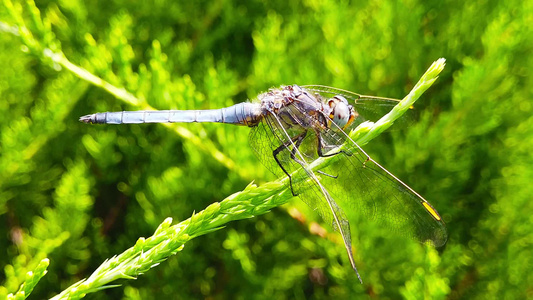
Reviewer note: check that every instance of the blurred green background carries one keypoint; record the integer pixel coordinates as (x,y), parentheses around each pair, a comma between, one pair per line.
(79,194)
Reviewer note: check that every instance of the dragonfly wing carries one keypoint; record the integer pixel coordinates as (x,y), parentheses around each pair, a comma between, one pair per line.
(283,148)
(267,138)
(361,184)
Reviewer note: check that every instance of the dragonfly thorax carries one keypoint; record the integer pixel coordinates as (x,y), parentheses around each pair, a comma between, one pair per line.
(295,106)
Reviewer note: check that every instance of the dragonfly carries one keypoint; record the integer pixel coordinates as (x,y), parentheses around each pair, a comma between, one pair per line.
(301,133)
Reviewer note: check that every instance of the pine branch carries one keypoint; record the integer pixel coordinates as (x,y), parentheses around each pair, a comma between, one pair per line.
(32,278)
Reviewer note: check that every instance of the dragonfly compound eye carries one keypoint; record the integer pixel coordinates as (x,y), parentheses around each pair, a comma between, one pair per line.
(341,112)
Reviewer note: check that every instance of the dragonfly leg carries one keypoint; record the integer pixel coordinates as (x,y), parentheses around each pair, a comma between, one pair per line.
(297,140)
(321,146)
(322,154)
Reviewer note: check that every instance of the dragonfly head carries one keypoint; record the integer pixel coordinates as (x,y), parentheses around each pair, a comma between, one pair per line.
(341,113)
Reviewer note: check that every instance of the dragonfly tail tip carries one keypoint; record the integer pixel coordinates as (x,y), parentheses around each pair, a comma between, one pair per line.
(86,119)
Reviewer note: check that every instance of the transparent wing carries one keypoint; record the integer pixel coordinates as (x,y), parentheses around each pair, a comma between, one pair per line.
(363,185)
(369,108)
(287,151)
(276,151)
